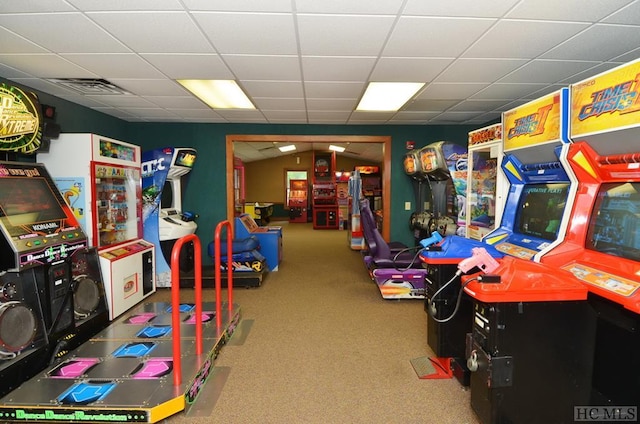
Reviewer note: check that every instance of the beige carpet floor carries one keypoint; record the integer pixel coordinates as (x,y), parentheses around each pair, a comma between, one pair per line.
(318,344)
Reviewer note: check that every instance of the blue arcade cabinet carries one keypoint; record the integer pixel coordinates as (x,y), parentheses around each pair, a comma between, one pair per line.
(270,238)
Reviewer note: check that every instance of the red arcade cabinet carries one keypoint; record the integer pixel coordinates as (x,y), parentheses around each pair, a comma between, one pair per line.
(602,245)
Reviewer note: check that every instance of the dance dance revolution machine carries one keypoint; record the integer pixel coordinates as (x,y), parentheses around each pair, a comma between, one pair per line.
(164,178)
(51,291)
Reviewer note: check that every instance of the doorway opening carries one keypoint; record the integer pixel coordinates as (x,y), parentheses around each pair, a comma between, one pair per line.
(386,164)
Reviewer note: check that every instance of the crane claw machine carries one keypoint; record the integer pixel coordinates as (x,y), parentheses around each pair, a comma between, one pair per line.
(105,176)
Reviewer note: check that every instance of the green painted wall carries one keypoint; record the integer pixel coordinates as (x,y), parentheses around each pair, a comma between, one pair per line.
(205,192)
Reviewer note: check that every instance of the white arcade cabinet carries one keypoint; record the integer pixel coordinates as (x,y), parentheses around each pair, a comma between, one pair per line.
(105,176)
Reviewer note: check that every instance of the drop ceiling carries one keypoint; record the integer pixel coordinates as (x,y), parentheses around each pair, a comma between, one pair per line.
(308,61)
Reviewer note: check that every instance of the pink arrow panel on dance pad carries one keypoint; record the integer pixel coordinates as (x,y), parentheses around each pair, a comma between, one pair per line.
(74,368)
(154,368)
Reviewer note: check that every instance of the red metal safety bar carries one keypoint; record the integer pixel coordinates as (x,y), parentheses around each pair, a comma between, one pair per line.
(175,301)
(217,265)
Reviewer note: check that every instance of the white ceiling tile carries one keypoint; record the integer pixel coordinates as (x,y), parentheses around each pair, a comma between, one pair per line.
(437,37)
(522,39)
(595,43)
(589,73)
(328,115)
(26,6)
(115,5)
(370,115)
(285,115)
(85,101)
(333,90)
(450,91)
(115,65)
(331,104)
(468,8)
(240,5)
(322,35)
(365,7)
(236,32)
(204,113)
(500,91)
(241,115)
(478,105)
(272,68)
(286,89)
(123,101)
(548,71)
(118,113)
(12,43)
(278,103)
(46,30)
(398,69)
(45,66)
(479,70)
(422,105)
(577,10)
(45,86)
(542,92)
(176,102)
(149,112)
(12,73)
(154,32)
(190,66)
(455,116)
(149,87)
(406,115)
(627,15)
(336,68)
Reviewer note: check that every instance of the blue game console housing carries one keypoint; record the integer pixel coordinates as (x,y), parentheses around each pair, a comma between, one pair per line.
(270,238)
(534,208)
(453,249)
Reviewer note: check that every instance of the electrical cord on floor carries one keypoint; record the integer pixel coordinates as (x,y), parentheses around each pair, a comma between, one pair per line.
(431,307)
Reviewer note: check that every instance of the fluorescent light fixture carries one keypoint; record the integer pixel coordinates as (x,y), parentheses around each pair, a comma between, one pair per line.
(288,148)
(336,148)
(388,96)
(218,94)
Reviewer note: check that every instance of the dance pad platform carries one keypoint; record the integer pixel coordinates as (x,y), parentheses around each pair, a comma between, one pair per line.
(125,372)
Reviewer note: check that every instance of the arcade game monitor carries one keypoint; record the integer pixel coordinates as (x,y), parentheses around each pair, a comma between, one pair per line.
(535,209)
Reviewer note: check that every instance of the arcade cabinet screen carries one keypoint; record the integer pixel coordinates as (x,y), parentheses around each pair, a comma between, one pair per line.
(614,224)
(25,201)
(540,210)
(166,197)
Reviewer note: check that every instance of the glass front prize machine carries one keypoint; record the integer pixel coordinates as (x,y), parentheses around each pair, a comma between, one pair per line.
(108,173)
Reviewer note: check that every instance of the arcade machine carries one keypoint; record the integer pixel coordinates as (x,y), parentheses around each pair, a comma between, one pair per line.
(530,348)
(51,293)
(444,166)
(298,201)
(486,190)
(324,194)
(109,173)
(354,224)
(602,245)
(540,195)
(269,237)
(164,174)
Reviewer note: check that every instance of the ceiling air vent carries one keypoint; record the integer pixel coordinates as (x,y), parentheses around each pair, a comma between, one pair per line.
(90,86)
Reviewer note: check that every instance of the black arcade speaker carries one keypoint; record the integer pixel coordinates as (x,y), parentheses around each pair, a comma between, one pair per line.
(23,341)
(89,299)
